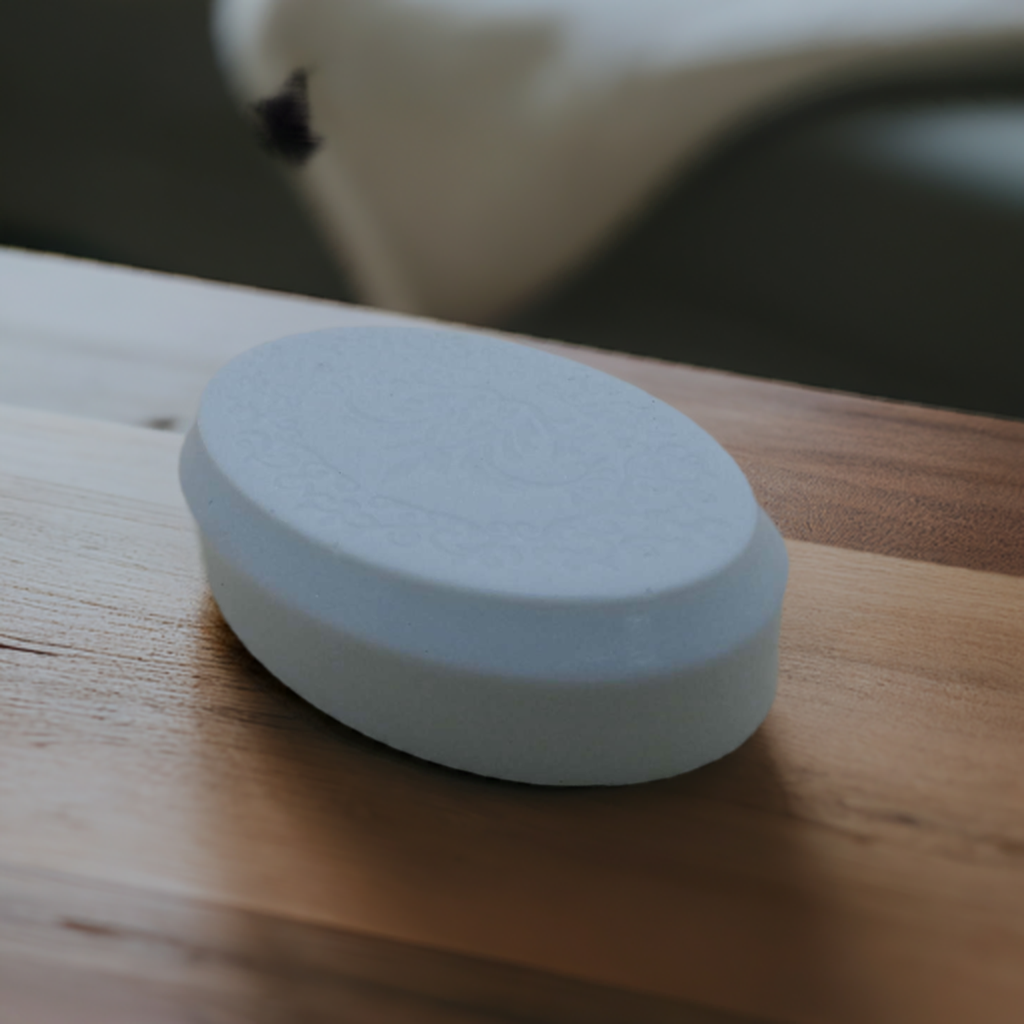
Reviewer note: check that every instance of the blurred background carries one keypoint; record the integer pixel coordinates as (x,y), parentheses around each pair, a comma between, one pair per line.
(872,240)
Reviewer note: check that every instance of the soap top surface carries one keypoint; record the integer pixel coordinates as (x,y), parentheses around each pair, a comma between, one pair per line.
(469,462)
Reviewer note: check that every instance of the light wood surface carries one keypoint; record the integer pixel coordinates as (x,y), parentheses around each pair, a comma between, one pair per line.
(183,839)
(133,346)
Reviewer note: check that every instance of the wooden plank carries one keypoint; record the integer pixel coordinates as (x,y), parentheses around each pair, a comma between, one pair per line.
(862,858)
(137,347)
(134,346)
(75,950)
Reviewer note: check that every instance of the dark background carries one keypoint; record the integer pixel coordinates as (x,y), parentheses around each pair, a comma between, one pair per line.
(871,241)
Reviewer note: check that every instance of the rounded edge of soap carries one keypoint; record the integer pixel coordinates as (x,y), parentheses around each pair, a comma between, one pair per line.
(614,732)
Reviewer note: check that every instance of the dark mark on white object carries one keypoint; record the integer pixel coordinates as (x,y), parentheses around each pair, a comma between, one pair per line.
(283,122)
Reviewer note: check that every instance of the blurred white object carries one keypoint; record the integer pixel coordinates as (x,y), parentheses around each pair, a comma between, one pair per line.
(475,150)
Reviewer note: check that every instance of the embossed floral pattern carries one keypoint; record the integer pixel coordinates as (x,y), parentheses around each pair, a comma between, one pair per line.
(432,449)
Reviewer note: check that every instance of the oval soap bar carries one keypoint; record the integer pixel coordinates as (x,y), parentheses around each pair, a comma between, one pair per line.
(485,555)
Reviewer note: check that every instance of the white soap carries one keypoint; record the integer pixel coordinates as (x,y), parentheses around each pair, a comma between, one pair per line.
(485,555)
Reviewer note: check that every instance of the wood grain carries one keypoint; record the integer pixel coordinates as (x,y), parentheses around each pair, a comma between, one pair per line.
(77,950)
(219,846)
(138,347)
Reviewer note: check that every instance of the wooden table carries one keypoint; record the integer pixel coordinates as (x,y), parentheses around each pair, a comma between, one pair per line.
(182,839)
